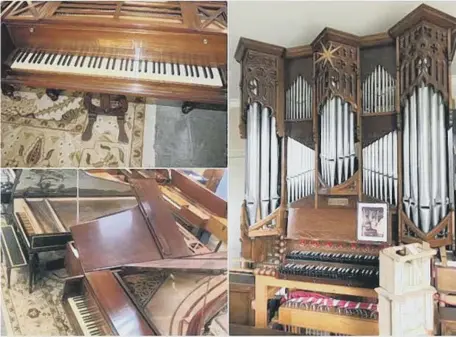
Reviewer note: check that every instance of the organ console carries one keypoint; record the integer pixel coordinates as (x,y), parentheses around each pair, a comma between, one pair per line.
(169,51)
(345,120)
(137,276)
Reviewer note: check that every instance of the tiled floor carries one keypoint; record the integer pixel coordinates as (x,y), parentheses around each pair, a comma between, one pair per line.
(198,139)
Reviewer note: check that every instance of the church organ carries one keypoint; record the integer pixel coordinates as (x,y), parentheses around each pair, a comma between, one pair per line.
(335,127)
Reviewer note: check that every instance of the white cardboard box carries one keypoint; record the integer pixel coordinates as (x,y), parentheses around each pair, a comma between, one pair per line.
(400,274)
(410,314)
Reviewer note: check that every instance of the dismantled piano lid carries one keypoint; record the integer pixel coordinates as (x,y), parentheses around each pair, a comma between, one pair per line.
(213,263)
(147,232)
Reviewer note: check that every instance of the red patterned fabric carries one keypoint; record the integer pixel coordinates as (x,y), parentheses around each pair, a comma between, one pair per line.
(319,299)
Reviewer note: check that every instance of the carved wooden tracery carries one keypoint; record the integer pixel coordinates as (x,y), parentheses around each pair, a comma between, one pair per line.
(423,57)
(336,72)
(259,82)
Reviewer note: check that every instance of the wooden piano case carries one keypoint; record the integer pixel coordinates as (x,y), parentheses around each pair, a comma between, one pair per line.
(45,207)
(169,297)
(181,32)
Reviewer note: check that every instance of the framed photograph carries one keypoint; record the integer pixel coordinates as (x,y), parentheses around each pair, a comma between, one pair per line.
(372,224)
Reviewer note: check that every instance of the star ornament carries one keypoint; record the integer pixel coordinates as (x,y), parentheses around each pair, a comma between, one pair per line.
(327,55)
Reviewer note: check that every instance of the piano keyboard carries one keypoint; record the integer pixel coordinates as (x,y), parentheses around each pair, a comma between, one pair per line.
(26,223)
(129,68)
(88,316)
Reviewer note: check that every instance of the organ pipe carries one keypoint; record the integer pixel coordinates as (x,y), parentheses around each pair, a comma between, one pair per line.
(262,163)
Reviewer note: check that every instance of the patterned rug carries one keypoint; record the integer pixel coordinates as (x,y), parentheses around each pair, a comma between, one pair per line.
(37,132)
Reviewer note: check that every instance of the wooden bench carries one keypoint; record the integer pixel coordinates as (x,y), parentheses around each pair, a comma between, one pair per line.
(11,251)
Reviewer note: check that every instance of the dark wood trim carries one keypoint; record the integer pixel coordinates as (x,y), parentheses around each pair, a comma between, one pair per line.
(333,35)
(180,92)
(375,40)
(423,13)
(300,51)
(244,44)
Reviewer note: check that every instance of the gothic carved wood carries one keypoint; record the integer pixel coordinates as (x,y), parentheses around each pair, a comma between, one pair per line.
(336,72)
(424,58)
(259,81)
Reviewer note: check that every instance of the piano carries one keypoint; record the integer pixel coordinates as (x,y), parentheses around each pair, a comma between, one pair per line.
(172,52)
(135,274)
(193,204)
(45,205)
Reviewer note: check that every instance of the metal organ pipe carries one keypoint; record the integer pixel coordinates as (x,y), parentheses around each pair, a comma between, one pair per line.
(262,163)
(253,151)
(274,185)
(425,149)
(380,157)
(378,91)
(337,154)
(265,159)
(300,173)
(298,100)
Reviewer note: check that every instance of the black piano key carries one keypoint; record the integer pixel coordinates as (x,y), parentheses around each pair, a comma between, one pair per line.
(172,68)
(36,57)
(114,61)
(90,61)
(164,68)
(145,66)
(69,60)
(24,56)
(53,59)
(16,55)
(40,59)
(107,63)
(32,59)
(158,68)
(19,56)
(205,72)
(131,65)
(191,71)
(121,63)
(178,69)
(77,60)
(31,56)
(211,74)
(48,59)
(197,71)
(83,60)
(140,64)
(60,59)
(65,59)
(154,67)
(99,62)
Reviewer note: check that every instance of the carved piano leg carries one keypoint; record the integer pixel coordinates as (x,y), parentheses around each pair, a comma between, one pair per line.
(123,138)
(187,107)
(8,90)
(110,105)
(87,135)
(53,94)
